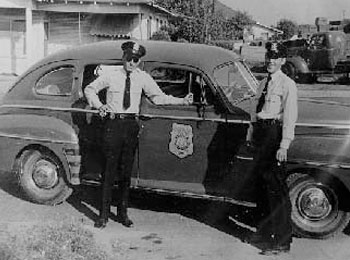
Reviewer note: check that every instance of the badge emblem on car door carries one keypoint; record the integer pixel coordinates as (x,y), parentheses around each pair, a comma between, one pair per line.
(181,142)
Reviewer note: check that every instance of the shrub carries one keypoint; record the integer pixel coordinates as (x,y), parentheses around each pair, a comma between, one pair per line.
(53,242)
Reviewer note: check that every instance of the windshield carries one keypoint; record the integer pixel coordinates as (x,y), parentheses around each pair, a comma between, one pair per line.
(236,81)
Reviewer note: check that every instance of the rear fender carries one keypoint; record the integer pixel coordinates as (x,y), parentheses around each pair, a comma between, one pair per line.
(299,64)
(21,132)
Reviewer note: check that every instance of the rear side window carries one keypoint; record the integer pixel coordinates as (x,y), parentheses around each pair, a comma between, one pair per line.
(57,82)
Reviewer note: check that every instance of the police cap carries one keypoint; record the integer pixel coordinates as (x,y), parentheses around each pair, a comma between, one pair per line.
(275,50)
(133,49)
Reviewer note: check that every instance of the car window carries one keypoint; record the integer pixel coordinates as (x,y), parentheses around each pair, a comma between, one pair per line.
(57,82)
(318,41)
(180,82)
(236,81)
(171,80)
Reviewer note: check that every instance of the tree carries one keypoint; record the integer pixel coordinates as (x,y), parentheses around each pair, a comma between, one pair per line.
(288,27)
(203,21)
(161,35)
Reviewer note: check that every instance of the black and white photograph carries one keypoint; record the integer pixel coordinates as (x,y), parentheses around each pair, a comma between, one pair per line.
(174,129)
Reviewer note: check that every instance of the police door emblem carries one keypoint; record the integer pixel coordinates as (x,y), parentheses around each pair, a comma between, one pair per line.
(181,143)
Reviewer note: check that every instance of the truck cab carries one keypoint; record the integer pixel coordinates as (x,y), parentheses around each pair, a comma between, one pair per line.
(325,50)
(325,54)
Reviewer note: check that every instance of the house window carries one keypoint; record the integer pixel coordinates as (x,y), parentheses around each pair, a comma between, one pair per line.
(12,38)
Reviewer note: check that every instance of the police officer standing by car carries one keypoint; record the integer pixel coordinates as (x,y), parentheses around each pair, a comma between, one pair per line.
(124,90)
(272,127)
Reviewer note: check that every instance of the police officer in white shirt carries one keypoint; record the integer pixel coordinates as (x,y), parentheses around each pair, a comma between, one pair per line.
(271,132)
(124,89)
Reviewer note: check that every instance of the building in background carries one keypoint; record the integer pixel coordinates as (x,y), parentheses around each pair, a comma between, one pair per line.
(260,32)
(32,29)
(338,25)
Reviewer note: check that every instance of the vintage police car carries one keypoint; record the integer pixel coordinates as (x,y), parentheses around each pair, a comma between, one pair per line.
(51,139)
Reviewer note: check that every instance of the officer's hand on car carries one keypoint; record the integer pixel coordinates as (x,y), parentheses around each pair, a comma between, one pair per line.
(188,100)
(281,155)
(104,110)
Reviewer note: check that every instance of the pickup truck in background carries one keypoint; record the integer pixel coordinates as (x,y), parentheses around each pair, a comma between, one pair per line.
(325,57)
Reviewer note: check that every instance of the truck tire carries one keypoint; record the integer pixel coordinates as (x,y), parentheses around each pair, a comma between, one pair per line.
(307,78)
(290,70)
(42,178)
(315,208)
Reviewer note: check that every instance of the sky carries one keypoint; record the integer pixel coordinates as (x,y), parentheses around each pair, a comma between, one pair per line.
(269,12)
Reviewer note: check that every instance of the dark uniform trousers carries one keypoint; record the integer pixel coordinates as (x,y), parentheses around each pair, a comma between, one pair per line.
(273,203)
(119,145)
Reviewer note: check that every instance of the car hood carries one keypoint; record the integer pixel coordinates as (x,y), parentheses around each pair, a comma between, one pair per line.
(320,112)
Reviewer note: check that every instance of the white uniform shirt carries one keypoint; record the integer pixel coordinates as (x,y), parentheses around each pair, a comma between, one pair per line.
(281,102)
(114,82)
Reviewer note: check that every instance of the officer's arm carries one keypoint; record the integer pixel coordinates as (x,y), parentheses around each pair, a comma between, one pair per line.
(290,115)
(158,97)
(91,91)
(253,105)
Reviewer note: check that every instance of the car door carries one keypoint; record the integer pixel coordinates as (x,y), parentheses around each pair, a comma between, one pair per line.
(176,144)
(91,125)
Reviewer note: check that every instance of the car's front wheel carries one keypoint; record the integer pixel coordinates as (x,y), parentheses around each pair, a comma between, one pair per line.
(41,177)
(315,208)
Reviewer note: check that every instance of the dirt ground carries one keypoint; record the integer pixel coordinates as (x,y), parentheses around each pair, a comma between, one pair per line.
(165,227)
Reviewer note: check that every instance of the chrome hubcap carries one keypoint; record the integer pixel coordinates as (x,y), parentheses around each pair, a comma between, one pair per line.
(45,174)
(314,204)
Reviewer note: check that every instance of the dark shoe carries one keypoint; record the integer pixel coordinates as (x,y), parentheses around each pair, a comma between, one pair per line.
(125,221)
(275,250)
(259,241)
(101,223)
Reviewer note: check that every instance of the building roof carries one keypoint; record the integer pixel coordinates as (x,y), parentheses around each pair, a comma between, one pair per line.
(270,28)
(102,1)
(116,2)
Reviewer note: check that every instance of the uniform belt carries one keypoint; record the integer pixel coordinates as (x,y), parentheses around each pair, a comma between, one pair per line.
(271,121)
(122,116)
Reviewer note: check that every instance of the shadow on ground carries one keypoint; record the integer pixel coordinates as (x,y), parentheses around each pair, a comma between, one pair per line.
(214,214)
(9,184)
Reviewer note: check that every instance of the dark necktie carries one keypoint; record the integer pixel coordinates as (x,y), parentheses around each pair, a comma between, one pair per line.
(126,100)
(261,101)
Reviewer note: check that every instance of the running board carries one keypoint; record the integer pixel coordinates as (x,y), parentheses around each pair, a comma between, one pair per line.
(183,194)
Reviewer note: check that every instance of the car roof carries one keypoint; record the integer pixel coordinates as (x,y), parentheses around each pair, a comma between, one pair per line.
(198,55)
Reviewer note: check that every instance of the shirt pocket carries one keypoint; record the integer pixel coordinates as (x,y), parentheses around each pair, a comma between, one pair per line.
(274,102)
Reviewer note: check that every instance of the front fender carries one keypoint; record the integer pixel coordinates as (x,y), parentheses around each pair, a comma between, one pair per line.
(322,148)
(299,64)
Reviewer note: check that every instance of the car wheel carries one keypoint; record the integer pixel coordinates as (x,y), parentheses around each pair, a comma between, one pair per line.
(42,179)
(315,208)
(289,70)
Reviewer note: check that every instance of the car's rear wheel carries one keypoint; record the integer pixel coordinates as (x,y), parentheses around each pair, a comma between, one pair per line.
(315,208)
(42,178)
